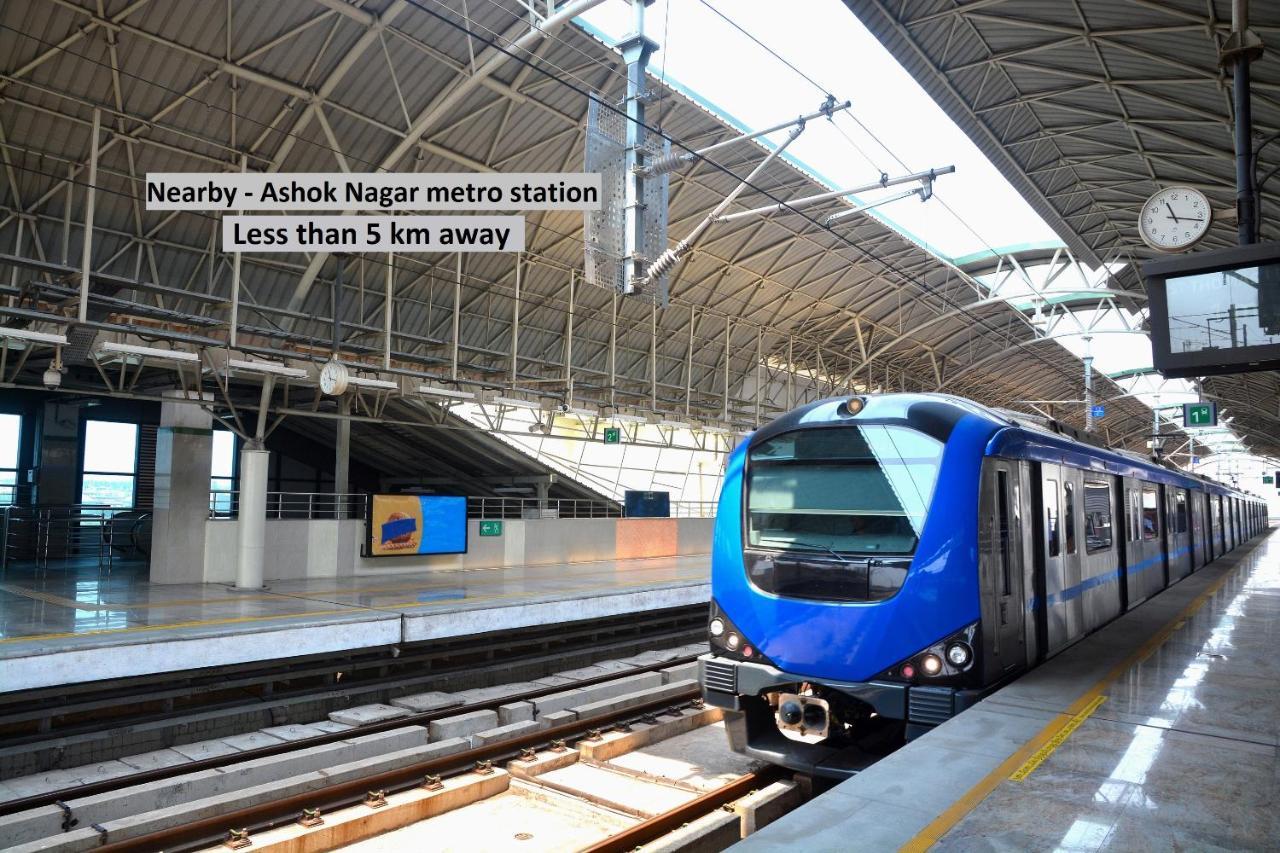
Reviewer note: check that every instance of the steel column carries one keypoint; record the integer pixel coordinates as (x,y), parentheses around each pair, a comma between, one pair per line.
(515,326)
(387,311)
(457,307)
(86,251)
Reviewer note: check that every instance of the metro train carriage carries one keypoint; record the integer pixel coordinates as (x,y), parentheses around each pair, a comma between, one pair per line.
(881,563)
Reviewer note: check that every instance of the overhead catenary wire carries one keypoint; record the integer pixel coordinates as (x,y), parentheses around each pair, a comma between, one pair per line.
(924,288)
(562,81)
(851,116)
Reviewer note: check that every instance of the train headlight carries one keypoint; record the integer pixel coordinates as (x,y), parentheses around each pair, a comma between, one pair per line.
(732,641)
(931,664)
(716,627)
(959,654)
(852,406)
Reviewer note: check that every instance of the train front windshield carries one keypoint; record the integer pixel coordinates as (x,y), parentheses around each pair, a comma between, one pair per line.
(859,490)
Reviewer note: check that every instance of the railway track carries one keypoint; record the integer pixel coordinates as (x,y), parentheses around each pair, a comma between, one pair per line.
(48,729)
(516,784)
(81,791)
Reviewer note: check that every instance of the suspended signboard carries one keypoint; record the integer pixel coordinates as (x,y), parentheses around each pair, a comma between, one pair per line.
(1215,312)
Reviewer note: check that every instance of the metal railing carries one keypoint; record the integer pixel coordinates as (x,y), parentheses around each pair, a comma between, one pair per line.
(224,504)
(41,536)
(481,507)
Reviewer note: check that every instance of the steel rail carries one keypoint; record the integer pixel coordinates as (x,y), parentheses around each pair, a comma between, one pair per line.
(659,825)
(605,634)
(267,815)
(65,795)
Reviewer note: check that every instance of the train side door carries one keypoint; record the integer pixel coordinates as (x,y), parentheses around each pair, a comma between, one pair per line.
(1001,568)
(1210,548)
(1197,529)
(1049,524)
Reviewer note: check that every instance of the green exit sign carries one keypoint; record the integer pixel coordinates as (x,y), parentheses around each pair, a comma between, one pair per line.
(1267,480)
(612,435)
(1200,414)
(491,528)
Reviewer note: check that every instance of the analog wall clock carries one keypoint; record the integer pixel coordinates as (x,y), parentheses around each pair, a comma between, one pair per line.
(333,378)
(1174,219)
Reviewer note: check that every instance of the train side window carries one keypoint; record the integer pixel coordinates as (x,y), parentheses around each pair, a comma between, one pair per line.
(1128,515)
(1150,513)
(1180,513)
(1069,515)
(1051,517)
(1097,516)
(1002,528)
(1136,536)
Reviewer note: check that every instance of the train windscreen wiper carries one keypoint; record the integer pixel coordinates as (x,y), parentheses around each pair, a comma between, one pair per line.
(813,546)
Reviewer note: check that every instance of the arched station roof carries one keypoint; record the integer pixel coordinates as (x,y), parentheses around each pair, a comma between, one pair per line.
(1089,107)
(327,85)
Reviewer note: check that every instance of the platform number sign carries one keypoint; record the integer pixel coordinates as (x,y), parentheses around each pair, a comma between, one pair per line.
(1200,414)
(490,528)
(613,435)
(1098,412)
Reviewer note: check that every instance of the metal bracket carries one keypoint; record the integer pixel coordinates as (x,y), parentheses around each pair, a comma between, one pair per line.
(483,768)
(375,799)
(1240,45)
(237,839)
(310,817)
(67,820)
(432,783)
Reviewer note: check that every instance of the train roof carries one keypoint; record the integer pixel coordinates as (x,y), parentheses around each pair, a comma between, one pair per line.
(1013,434)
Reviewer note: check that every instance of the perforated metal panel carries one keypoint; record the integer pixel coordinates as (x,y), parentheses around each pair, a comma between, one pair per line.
(606,153)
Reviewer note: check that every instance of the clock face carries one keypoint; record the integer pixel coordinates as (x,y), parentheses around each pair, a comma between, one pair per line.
(1174,219)
(333,378)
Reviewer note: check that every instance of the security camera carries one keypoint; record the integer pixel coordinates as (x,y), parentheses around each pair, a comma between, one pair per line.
(52,378)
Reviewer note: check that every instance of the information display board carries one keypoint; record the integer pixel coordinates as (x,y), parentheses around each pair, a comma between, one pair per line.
(416,524)
(640,504)
(1215,312)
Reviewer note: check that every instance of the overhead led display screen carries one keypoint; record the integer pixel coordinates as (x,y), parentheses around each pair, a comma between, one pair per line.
(1215,312)
(416,524)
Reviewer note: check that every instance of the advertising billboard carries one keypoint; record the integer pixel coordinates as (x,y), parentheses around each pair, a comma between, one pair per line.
(399,525)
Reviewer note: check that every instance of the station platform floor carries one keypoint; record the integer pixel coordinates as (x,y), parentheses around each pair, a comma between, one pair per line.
(73,626)
(1159,732)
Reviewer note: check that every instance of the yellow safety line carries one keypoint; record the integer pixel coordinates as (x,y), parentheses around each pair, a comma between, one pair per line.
(1056,741)
(51,598)
(382,608)
(1086,704)
(595,589)
(47,597)
(138,628)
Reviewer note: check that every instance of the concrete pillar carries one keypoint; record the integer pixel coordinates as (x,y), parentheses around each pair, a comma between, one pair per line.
(342,459)
(251,531)
(184,462)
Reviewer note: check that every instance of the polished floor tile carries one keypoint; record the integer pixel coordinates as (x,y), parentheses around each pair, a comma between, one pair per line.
(60,609)
(1184,753)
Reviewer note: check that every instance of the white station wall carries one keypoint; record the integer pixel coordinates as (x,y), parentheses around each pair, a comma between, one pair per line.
(325,549)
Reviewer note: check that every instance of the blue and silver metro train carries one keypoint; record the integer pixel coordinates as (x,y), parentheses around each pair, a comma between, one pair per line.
(881,563)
